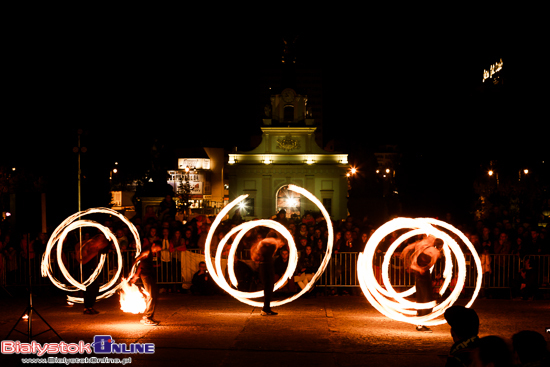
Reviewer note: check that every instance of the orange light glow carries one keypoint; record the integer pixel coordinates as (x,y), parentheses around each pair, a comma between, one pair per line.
(131,298)
(394,305)
(217,272)
(58,237)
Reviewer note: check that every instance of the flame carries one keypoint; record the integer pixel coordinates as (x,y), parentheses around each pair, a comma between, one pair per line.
(394,305)
(132,299)
(58,236)
(217,272)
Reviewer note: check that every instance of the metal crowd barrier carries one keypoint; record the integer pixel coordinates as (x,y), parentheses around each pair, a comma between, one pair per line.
(541,266)
(341,270)
(15,273)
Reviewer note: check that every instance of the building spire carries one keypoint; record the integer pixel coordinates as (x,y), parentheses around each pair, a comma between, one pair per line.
(288,61)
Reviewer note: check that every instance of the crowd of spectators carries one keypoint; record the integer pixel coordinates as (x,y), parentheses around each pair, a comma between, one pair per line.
(496,234)
(527,348)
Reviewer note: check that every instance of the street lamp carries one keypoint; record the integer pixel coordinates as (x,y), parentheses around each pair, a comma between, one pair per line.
(351,172)
(525,172)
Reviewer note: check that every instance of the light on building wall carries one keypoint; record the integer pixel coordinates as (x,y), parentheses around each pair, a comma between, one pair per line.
(490,172)
(267,160)
(310,160)
(231,159)
(387,170)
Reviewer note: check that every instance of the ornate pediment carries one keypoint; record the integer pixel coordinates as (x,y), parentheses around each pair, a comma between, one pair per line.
(288,144)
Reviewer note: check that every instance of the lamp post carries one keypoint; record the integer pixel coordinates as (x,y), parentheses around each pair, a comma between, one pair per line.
(525,172)
(492,172)
(349,174)
(78,149)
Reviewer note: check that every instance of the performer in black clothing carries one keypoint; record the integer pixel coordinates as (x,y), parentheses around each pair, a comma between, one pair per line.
(423,282)
(147,273)
(263,252)
(87,255)
(419,257)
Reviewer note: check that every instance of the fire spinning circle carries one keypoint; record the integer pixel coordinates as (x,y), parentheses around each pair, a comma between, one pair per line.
(399,308)
(58,236)
(217,272)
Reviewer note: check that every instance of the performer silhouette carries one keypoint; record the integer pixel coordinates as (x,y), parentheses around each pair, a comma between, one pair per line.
(419,257)
(147,272)
(263,252)
(87,255)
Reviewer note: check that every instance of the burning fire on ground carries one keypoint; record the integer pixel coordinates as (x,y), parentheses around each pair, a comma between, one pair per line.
(132,298)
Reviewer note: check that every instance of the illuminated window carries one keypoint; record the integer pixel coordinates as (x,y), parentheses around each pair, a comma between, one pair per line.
(289,201)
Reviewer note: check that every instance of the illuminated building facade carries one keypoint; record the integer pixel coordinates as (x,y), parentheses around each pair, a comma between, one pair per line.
(288,154)
(199,178)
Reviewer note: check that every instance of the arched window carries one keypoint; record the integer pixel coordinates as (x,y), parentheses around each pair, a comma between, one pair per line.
(289,201)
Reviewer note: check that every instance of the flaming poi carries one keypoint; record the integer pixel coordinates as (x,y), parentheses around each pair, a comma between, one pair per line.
(394,305)
(217,271)
(58,236)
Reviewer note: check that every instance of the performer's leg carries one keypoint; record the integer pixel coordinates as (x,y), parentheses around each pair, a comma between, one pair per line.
(150,286)
(267,277)
(423,295)
(90,295)
(91,292)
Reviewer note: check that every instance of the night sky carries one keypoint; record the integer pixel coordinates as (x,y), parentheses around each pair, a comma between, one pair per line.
(387,79)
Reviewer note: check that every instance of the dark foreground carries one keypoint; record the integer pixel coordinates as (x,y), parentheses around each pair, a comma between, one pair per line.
(221,331)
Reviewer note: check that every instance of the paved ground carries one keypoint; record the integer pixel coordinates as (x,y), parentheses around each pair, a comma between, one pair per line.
(221,331)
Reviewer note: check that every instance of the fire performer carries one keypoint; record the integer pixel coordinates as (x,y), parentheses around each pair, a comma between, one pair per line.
(147,274)
(419,257)
(262,253)
(87,254)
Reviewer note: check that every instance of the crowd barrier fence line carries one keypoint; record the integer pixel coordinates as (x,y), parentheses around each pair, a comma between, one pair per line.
(340,272)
